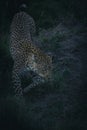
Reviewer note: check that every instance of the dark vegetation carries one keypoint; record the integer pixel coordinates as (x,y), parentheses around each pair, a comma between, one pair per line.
(61,28)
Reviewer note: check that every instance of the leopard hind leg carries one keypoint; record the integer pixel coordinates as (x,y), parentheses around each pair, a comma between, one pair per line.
(36,80)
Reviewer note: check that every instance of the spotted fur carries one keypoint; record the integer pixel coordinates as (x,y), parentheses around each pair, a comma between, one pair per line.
(25,54)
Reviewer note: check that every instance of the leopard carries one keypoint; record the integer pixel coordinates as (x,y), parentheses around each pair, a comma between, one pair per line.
(26,54)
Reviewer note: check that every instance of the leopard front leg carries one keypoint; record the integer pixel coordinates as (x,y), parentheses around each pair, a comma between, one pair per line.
(37,80)
(16,81)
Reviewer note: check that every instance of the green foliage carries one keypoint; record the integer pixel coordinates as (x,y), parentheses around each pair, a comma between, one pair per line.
(52,43)
(4,45)
(5,65)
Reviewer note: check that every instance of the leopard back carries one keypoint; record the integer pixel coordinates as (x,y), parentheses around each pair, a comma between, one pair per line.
(22,27)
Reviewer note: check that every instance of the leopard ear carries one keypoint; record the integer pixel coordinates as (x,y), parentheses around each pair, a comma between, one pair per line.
(23,7)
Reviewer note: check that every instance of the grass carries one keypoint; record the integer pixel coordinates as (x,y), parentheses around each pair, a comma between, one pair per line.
(13,115)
